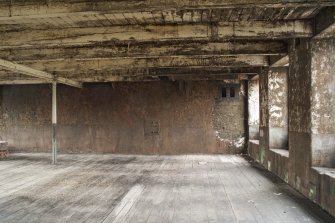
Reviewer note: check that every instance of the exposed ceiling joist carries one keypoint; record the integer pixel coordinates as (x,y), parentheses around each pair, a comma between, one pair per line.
(93,79)
(154,17)
(82,36)
(39,7)
(136,74)
(22,81)
(202,70)
(14,67)
(133,49)
(78,66)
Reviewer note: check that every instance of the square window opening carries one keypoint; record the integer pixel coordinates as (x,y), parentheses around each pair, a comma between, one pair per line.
(224,92)
(232,92)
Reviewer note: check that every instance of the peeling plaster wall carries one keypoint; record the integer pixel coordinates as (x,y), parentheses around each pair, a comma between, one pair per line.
(277,107)
(273,111)
(323,102)
(299,102)
(264,116)
(253,109)
(278,97)
(140,118)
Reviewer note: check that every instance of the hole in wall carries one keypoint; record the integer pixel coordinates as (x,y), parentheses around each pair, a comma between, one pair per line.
(224,92)
(232,92)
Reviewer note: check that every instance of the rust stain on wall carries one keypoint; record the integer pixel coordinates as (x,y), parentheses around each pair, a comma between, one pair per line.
(116,118)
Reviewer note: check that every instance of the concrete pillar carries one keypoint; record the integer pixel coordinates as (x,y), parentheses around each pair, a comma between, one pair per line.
(264,117)
(273,130)
(253,108)
(311,109)
(54,123)
(277,108)
(323,102)
(299,103)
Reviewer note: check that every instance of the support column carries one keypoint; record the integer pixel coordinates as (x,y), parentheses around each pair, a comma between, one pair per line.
(253,108)
(273,129)
(311,110)
(322,185)
(277,106)
(323,102)
(54,123)
(299,102)
(264,117)
(311,119)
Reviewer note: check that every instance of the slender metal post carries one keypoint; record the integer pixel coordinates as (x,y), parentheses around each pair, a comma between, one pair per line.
(54,122)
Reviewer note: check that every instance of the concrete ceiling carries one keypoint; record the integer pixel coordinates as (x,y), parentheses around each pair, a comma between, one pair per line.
(101,41)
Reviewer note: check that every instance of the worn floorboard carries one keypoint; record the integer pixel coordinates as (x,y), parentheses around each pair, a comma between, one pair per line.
(121,188)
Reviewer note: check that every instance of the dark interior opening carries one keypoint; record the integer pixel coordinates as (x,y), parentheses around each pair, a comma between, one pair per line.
(224,92)
(232,92)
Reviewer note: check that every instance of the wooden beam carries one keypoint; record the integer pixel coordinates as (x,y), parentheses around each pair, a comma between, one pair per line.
(210,78)
(23,82)
(82,36)
(146,49)
(38,7)
(78,66)
(200,71)
(154,71)
(14,67)
(154,17)
(325,23)
(136,74)
(224,76)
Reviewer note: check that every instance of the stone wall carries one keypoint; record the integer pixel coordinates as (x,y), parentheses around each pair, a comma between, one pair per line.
(141,118)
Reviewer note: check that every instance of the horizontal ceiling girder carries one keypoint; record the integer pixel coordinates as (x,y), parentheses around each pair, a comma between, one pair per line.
(18,68)
(24,81)
(41,7)
(84,65)
(137,74)
(228,30)
(154,17)
(133,49)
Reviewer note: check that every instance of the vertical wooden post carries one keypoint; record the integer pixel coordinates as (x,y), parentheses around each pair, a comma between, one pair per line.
(54,122)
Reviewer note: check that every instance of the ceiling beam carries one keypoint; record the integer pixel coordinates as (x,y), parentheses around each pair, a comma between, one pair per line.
(154,17)
(136,74)
(227,30)
(223,76)
(83,65)
(147,49)
(14,67)
(39,7)
(23,81)
(203,70)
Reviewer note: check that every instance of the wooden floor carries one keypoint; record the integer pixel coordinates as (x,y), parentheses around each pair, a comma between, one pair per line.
(118,188)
